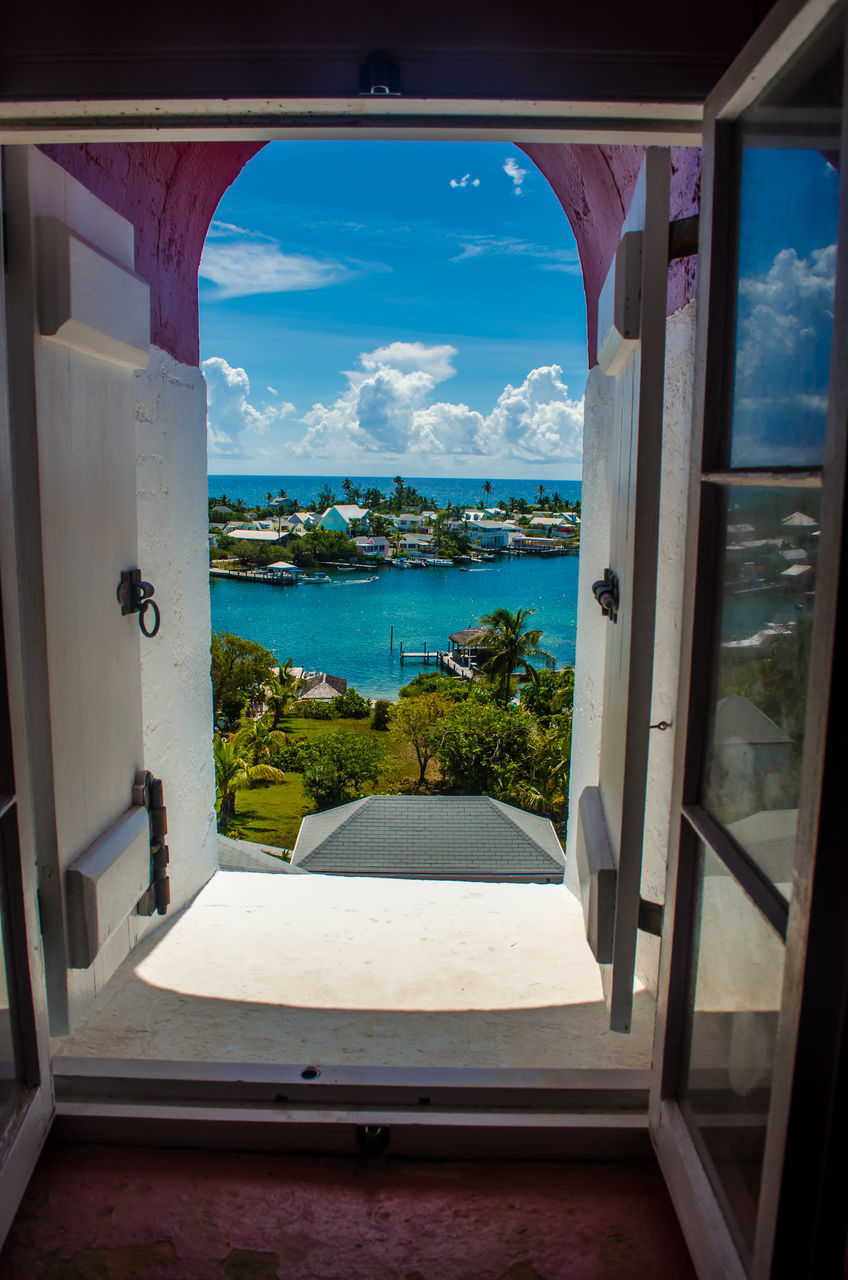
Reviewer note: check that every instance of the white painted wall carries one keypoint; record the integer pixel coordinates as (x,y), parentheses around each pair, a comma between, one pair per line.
(600,449)
(173,555)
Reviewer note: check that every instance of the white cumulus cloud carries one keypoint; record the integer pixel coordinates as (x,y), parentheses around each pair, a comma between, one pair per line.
(388,408)
(465,181)
(514,171)
(784,327)
(231,418)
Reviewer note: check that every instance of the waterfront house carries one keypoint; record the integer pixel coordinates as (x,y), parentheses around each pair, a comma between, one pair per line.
(416,544)
(489,535)
(320,687)
(257,535)
(344,516)
(373,545)
(519,541)
(431,838)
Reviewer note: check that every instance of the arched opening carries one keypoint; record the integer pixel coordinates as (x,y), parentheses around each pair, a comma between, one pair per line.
(169,245)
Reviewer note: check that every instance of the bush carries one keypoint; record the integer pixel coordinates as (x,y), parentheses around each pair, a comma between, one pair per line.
(483,748)
(312,709)
(380,715)
(336,764)
(350,706)
(436,682)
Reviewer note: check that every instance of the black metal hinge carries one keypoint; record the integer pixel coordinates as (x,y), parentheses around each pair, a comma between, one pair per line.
(148,791)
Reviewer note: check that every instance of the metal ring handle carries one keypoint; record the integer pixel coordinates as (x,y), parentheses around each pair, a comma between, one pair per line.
(149,604)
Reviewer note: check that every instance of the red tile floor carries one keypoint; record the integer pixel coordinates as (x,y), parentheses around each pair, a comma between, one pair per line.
(115,1213)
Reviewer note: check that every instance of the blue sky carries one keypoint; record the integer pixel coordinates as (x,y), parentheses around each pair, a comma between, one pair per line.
(390,306)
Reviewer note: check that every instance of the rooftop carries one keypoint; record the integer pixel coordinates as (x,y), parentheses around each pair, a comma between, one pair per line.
(431,838)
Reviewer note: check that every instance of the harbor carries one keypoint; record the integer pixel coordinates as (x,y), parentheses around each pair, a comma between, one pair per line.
(350,631)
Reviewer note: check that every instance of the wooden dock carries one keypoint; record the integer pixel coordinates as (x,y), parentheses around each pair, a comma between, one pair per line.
(255,575)
(441,658)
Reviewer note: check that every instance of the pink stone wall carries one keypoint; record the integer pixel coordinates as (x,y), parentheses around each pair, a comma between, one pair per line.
(170,192)
(595,185)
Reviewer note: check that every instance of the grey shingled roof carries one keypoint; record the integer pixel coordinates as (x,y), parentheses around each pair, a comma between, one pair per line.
(430,838)
(324,686)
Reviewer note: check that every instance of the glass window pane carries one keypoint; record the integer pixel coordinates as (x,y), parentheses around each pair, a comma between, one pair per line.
(756,738)
(734,1007)
(788,202)
(8,1059)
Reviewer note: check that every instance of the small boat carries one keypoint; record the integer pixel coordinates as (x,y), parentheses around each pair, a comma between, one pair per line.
(357,582)
(400,564)
(315,580)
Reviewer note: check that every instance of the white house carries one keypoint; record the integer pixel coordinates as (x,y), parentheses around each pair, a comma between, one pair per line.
(488,534)
(415,544)
(409,521)
(342,516)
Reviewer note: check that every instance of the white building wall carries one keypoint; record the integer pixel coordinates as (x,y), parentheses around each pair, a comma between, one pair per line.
(173,556)
(599,449)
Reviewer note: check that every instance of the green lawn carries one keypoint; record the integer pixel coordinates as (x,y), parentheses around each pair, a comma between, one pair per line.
(271,814)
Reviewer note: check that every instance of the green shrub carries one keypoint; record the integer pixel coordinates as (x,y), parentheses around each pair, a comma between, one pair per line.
(380,716)
(336,764)
(350,706)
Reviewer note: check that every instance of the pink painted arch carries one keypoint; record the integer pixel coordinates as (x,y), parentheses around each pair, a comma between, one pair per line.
(170,191)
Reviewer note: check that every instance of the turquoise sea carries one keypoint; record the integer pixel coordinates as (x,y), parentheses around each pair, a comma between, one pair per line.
(345,629)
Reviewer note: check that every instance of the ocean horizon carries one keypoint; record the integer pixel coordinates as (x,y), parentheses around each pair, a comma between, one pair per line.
(463,491)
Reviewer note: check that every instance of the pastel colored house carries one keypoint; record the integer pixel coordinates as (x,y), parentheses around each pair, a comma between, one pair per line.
(343,517)
(373,545)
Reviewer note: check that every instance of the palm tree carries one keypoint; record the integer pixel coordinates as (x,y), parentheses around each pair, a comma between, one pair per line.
(260,740)
(398,483)
(487,488)
(540,492)
(511,647)
(234,772)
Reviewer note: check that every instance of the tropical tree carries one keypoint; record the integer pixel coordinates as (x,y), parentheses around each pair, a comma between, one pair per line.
(234,772)
(482,748)
(261,743)
(487,488)
(511,648)
(416,718)
(398,483)
(280,692)
(337,764)
(240,671)
(380,526)
(543,788)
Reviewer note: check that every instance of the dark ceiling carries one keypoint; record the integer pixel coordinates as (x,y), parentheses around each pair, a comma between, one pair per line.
(655,50)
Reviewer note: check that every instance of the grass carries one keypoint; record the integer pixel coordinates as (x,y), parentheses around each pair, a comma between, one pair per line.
(271,814)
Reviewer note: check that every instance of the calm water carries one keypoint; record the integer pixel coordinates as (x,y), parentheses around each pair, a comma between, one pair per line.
(345,629)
